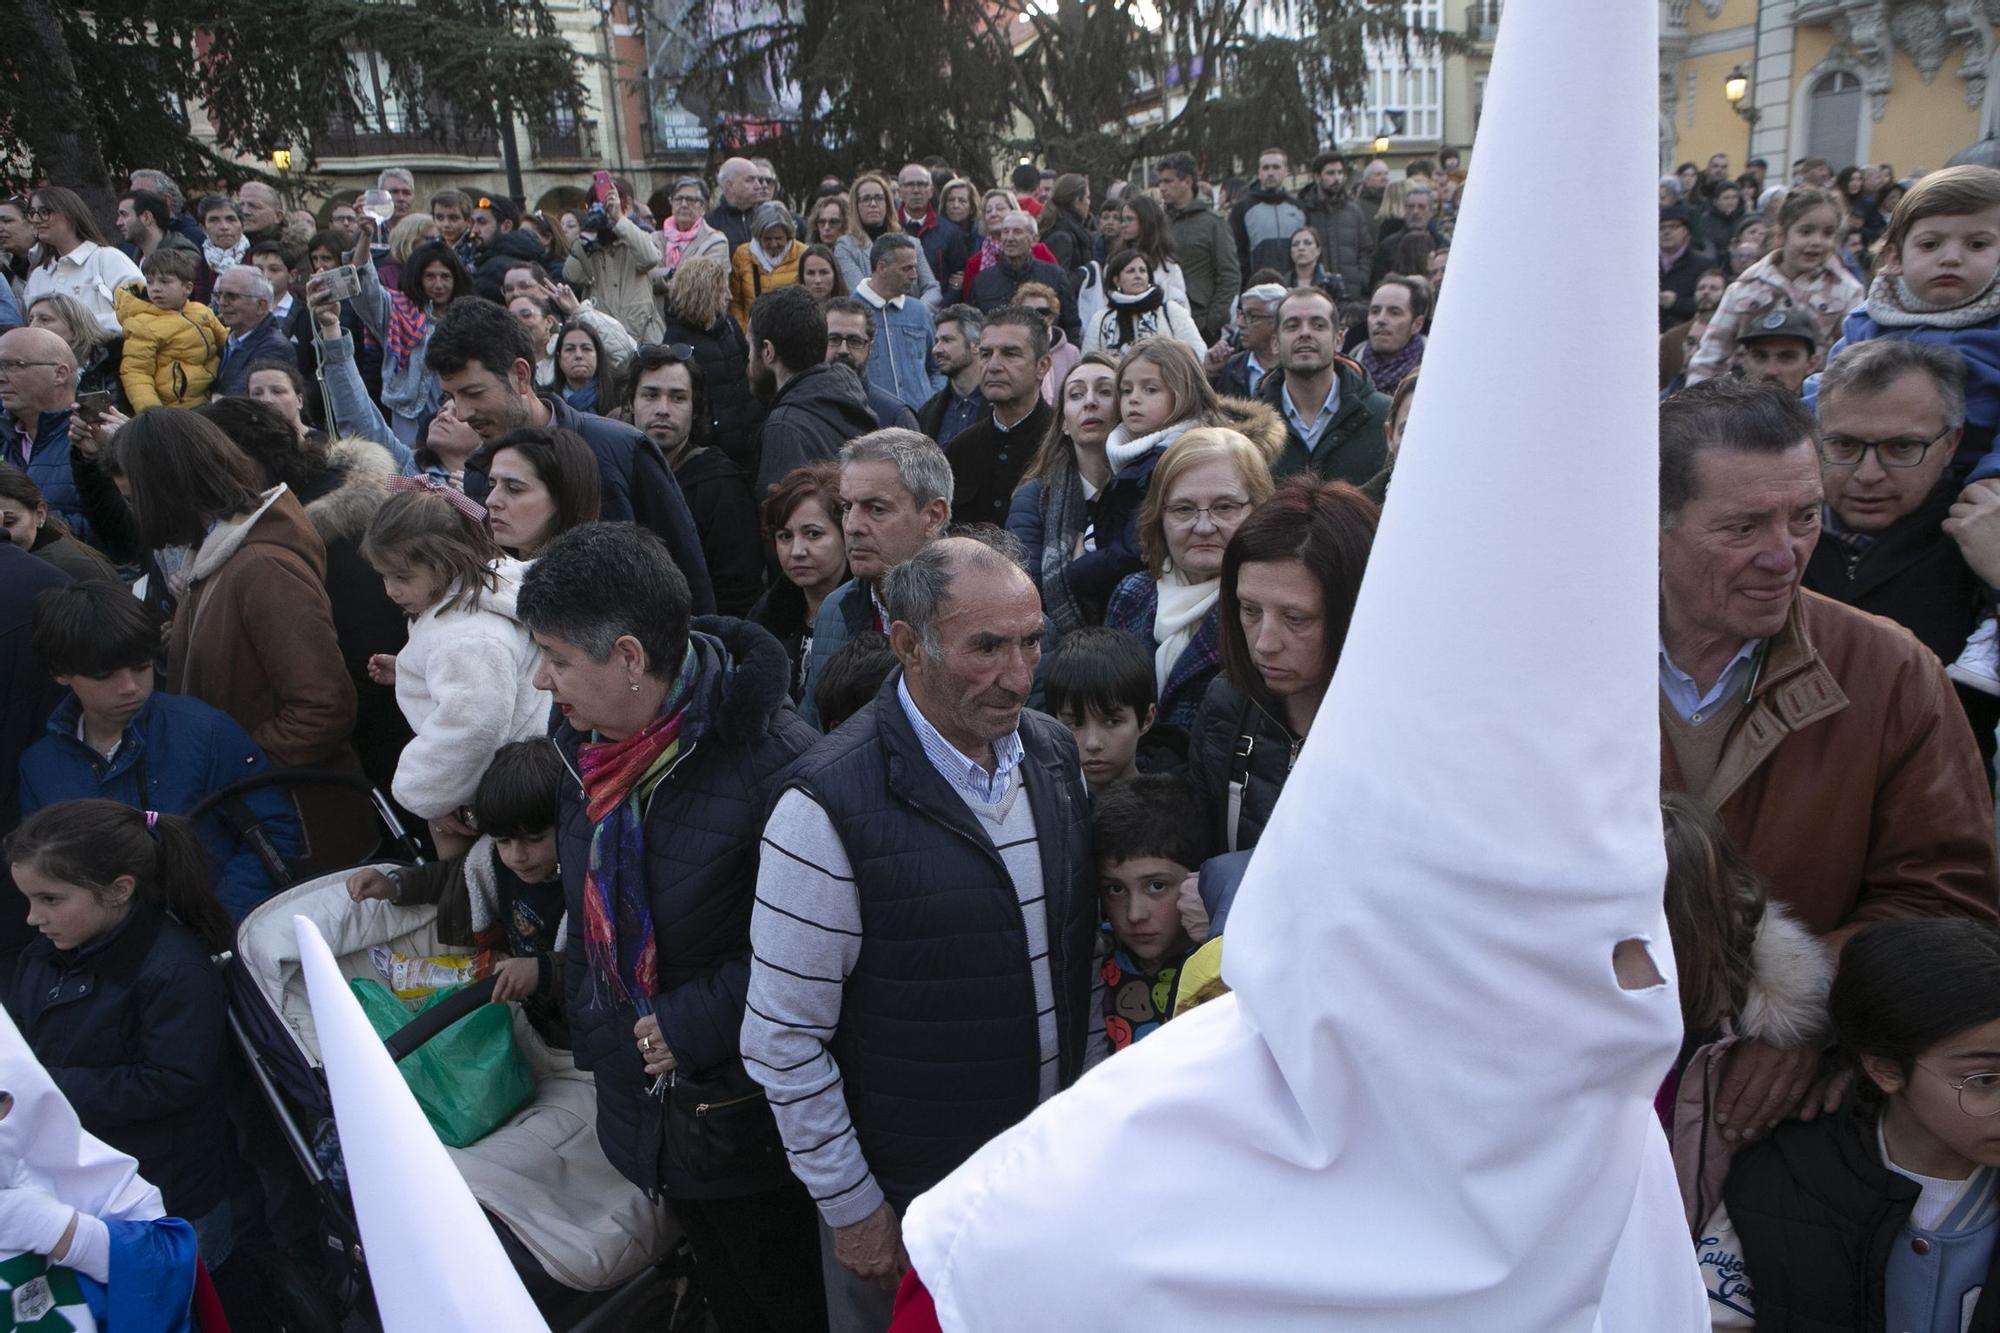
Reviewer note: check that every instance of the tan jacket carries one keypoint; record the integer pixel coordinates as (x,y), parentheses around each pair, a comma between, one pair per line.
(1851,780)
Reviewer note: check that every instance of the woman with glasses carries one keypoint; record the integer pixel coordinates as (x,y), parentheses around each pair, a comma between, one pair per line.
(685,234)
(1202,489)
(1883,1213)
(1290,577)
(77,260)
(697,307)
(873,215)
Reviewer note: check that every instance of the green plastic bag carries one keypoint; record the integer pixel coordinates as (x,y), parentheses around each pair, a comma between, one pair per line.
(470,1077)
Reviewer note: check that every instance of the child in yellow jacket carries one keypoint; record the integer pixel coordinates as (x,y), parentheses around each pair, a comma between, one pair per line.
(173,345)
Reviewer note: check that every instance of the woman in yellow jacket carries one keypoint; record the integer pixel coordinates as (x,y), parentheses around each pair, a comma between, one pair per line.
(767,261)
(173,345)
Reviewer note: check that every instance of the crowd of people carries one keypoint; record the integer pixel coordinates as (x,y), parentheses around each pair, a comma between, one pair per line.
(839,651)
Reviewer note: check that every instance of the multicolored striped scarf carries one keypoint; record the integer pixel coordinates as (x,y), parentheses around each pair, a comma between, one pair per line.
(618,776)
(408,327)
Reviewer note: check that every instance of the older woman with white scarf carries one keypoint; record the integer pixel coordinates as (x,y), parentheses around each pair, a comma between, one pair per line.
(1205,485)
(767,261)
(101,1252)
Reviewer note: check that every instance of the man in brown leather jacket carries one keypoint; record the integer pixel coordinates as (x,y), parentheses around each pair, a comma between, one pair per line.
(1828,740)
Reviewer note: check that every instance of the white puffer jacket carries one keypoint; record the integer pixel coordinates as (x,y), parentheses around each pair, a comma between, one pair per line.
(465,683)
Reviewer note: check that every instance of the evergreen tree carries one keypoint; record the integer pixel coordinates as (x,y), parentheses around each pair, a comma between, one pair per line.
(878,82)
(102,87)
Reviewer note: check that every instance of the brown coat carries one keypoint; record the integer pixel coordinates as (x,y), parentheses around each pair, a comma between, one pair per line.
(1851,781)
(253,636)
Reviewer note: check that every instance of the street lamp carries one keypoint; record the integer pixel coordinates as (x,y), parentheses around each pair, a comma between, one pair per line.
(281,159)
(1736,92)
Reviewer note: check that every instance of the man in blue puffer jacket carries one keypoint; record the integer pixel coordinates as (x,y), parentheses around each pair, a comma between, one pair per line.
(37,393)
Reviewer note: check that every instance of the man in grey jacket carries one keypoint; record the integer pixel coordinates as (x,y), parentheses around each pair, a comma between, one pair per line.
(1206,250)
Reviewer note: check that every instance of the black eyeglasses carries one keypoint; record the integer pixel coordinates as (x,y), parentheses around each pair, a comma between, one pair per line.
(678,354)
(1843,451)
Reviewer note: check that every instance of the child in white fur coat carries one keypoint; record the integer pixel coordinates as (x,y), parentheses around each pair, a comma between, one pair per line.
(466,679)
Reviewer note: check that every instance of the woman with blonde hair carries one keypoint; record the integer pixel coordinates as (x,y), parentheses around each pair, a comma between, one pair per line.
(952,242)
(96,353)
(697,309)
(1205,485)
(1161,395)
(872,215)
(414,230)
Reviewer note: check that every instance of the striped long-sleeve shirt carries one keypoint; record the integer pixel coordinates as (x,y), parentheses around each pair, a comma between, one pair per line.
(805,938)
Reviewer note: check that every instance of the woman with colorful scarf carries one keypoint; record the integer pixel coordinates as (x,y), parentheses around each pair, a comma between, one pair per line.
(674,734)
(432,278)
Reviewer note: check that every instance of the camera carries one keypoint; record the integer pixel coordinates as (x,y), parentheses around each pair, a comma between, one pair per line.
(595,220)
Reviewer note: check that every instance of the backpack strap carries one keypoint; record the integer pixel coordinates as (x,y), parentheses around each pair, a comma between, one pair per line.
(1239,778)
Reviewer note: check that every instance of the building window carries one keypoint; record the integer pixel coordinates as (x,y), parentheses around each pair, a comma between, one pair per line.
(1833,118)
(387,125)
(1411,82)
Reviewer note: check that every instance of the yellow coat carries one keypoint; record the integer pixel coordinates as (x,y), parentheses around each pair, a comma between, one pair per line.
(748,280)
(171,356)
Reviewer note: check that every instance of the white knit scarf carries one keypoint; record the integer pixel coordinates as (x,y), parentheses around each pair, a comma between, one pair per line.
(1176,617)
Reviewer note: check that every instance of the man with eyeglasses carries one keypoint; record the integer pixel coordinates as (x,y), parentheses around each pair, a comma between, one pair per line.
(244,300)
(1242,374)
(850,342)
(37,393)
(1891,413)
(1827,740)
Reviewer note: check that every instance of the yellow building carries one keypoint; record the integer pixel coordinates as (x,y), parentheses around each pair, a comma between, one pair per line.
(1853,81)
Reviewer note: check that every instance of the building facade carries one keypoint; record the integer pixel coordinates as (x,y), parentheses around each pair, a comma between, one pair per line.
(1903,82)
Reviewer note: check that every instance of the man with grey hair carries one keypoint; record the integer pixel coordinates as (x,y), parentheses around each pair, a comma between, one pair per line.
(955,352)
(900,364)
(921,940)
(1826,740)
(401,187)
(736,183)
(185,224)
(895,498)
(1419,217)
(262,211)
(1891,412)
(243,300)
(1257,330)
(995,284)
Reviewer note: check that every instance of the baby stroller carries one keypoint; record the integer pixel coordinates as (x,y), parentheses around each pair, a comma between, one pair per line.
(591,1247)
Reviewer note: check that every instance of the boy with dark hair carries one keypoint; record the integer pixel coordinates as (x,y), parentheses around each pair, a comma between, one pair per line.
(173,343)
(1149,849)
(113,738)
(851,677)
(504,897)
(1100,686)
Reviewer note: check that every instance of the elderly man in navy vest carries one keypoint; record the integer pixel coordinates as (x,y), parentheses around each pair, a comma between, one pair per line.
(922,935)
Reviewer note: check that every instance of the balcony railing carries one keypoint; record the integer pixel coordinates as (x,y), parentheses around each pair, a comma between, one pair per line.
(396,136)
(1482,20)
(576,141)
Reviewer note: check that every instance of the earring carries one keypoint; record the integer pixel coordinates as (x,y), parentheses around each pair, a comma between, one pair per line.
(635,687)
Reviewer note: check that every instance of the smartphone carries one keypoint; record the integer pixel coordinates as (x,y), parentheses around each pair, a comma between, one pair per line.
(93,405)
(341,284)
(601,187)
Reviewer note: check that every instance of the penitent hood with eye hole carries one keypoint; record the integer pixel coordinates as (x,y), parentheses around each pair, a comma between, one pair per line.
(1428,1102)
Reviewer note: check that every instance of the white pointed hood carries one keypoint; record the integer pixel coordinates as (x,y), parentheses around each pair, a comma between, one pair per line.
(42,1144)
(433,1260)
(1428,1104)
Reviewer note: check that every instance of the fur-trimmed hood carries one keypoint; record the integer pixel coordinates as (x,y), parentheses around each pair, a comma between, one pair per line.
(1786,1005)
(1260,422)
(753,675)
(351,489)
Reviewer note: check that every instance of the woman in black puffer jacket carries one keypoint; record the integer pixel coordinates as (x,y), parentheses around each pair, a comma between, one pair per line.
(697,310)
(1289,580)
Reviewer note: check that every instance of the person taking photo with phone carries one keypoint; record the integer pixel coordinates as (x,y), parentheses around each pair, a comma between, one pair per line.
(616,258)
